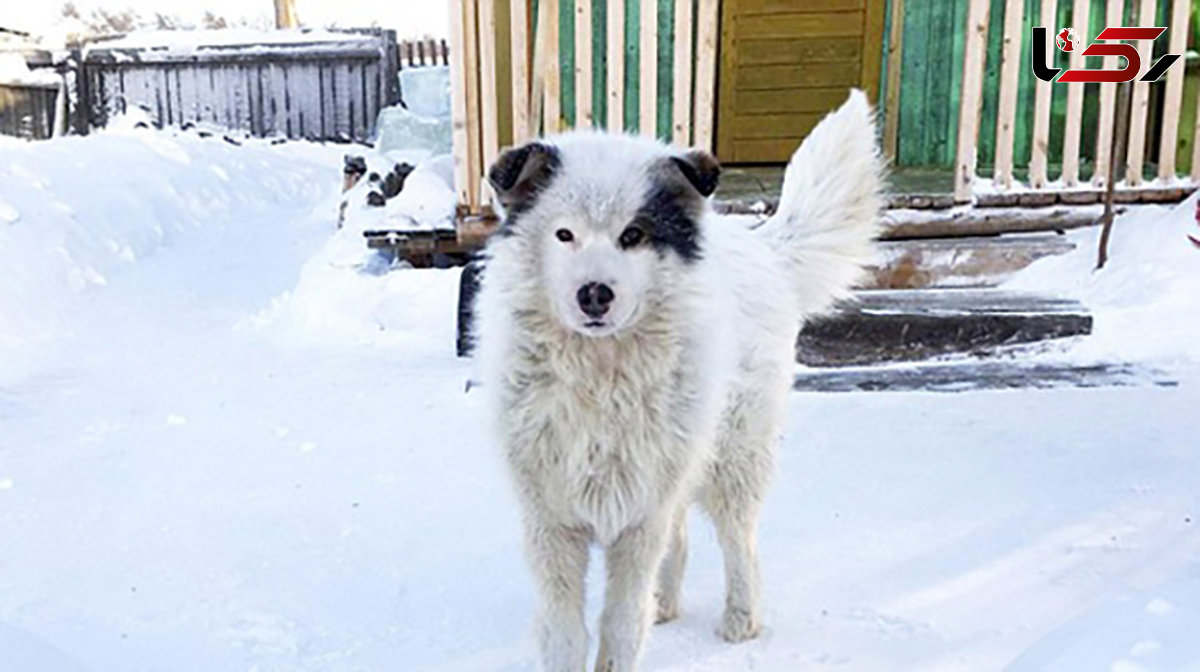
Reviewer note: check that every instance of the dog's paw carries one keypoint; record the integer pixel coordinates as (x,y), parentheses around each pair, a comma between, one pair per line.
(739,625)
(667,609)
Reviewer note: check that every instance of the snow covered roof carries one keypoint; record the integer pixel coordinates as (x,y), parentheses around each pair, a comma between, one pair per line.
(186,44)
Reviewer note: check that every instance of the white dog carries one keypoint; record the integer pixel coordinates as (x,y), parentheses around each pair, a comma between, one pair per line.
(638,350)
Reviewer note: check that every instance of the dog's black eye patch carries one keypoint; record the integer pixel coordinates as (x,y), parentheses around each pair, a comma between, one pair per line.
(520,175)
(670,215)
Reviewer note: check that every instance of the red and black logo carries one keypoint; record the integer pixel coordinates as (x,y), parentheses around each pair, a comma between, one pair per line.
(1067,40)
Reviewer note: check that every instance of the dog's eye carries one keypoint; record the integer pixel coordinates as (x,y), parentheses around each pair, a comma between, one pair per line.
(564,235)
(631,236)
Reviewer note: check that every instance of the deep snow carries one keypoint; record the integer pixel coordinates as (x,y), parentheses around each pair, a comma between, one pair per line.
(227,444)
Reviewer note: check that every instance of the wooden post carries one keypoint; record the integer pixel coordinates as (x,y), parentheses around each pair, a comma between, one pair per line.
(583,64)
(1010,72)
(1173,100)
(285,14)
(1141,101)
(1043,94)
(681,95)
(1108,93)
(972,99)
(519,28)
(891,120)
(553,101)
(648,68)
(489,117)
(464,161)
(615,55)
(1071,136)
(706,73)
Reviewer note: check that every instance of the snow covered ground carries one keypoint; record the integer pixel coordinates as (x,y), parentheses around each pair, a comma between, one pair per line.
(226,443)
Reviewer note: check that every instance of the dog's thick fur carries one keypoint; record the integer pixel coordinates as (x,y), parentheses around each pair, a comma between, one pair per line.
(613,426)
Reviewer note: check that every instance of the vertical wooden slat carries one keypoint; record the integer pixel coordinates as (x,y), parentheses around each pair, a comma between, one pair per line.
(1173,99)
(1071,136)
(1108,101)
(1010,73)
(1043,92)
(648,68)
(1141,100)
(553,75)
(458,101)
(519,27)
(615,55)
(474,128)
(891,115)
(1196,144)
(706,73)
(681,95)
(971,102)
(489,116)
(537,93)
(583,64)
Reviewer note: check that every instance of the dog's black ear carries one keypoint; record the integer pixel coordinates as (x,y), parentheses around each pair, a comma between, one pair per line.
(701,169)
(520,173)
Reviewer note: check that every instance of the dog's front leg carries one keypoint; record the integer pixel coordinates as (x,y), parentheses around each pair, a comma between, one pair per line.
(559,558)
(632,563)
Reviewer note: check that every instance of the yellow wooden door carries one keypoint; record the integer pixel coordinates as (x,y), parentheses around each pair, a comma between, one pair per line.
(785,64)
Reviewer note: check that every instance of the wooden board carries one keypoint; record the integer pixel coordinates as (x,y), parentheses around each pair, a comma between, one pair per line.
(1009,78)
(681,93)
(784,64)
(1173,101)
(972,98)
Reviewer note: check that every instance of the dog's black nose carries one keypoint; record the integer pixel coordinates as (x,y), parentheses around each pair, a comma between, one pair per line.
(594,298)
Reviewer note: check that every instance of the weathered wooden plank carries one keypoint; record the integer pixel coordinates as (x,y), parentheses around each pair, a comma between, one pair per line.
(553,121)
(1075,91)
(832,24)
(1042,99)
(1108,101)
(615,55)
(766,150)
(1010,72)
(489,114)
(748,7)
(762,126)
(789,100)
(583,64)
(891,106)
(1140,109)
(681,94)
(706,72)
(972,99)
(872,51)
(1173,98)
(519,35)
(648,68)
(774,77)
(464,162)
(781,51)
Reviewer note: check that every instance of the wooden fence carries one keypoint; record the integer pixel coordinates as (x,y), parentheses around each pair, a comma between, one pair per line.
(316,91)
(423,53)
(510,72)
(1152,155)
(28,111)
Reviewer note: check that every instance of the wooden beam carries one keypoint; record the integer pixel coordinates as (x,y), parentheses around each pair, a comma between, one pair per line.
(583,64)
(1173,99)
(1043,94)
(1010,73)
(648,68)
(489,113)
(1075,91)
(553,102)
(464,164)
(706,73)
(1141,100)
(615,55)
(895,64)
(519,31)
(1108,101)
(972,99)
(681,95)
(474,131)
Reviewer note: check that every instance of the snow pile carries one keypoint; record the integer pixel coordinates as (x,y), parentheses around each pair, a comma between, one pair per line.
(75,211)
(1146,300)
(189,41)
(14,70)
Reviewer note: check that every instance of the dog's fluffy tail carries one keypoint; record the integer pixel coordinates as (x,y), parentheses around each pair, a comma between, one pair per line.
(828,214)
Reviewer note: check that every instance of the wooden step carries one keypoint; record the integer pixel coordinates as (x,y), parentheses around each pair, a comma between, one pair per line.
(976,375)
(906,325)
(960,262)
